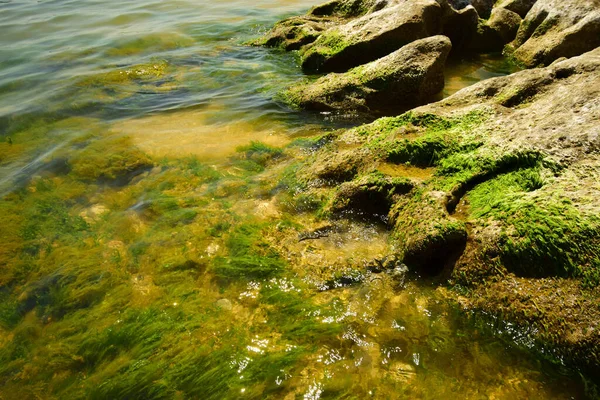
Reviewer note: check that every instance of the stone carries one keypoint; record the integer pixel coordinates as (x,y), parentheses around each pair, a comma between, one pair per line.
(505,23)
(556,28)
(403,79)
(520,7)
(296,32)
(372,36)
(483,7)
(511,213)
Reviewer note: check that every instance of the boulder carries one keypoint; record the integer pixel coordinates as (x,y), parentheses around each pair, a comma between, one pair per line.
(346,8)
(520,7)
(372,36)
(483,7)
(510,212)
(492,35)
(505,23)
(557,28)
(295,32)
(398,81)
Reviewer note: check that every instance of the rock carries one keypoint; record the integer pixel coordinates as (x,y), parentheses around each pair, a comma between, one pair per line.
(483,7)
(369,196)
(346,8)
(372,36)
(520,155)
(520,7)
(401,80)
(505,23)
(492,35)
(295,32)
(460,26)
(557,28)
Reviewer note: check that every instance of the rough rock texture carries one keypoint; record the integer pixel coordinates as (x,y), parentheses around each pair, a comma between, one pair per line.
(295,32)
(401,80)
(493,34)
(505,23)
(557,28)
(520,7)
(372,36)
(509,211)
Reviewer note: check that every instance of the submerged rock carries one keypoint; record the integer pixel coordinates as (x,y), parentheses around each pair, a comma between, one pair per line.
(372,36)
(401,80)
(557,28)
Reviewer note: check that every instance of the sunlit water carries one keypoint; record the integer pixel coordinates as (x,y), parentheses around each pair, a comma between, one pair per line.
(129,205)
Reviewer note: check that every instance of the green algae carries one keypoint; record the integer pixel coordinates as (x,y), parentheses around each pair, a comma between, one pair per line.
(257,155)
(249,256)
(112,271)
(543,237)
(149,44)
(143,73)
(124,161)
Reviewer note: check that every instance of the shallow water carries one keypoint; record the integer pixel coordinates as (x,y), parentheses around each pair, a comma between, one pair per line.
(149,249)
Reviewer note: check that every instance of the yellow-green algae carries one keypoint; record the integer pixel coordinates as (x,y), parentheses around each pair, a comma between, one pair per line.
(156,288)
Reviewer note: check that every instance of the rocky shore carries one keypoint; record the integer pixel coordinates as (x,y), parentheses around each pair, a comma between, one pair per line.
(493,191)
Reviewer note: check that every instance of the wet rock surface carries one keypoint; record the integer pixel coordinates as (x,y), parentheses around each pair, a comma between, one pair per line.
(516,163)
(372,36)
(401,80)
(508,214)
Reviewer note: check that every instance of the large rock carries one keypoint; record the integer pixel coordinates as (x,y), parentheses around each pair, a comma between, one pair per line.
(295,32)
(492,35)
(372,36)
(520,7)
(401,80)
(557,28)
(503,197)
(483,7)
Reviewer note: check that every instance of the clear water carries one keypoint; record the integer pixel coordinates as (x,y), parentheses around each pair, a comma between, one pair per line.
(129,204)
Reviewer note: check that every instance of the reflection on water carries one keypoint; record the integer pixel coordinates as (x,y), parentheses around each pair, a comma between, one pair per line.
(464,72)
(156,244)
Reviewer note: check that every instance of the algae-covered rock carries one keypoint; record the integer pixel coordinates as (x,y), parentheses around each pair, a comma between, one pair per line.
(372,36)
(557,28)
(506,23)
(512,196)
(346,8)
(296,32)
(370,196)
(493,34)
(401,80)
